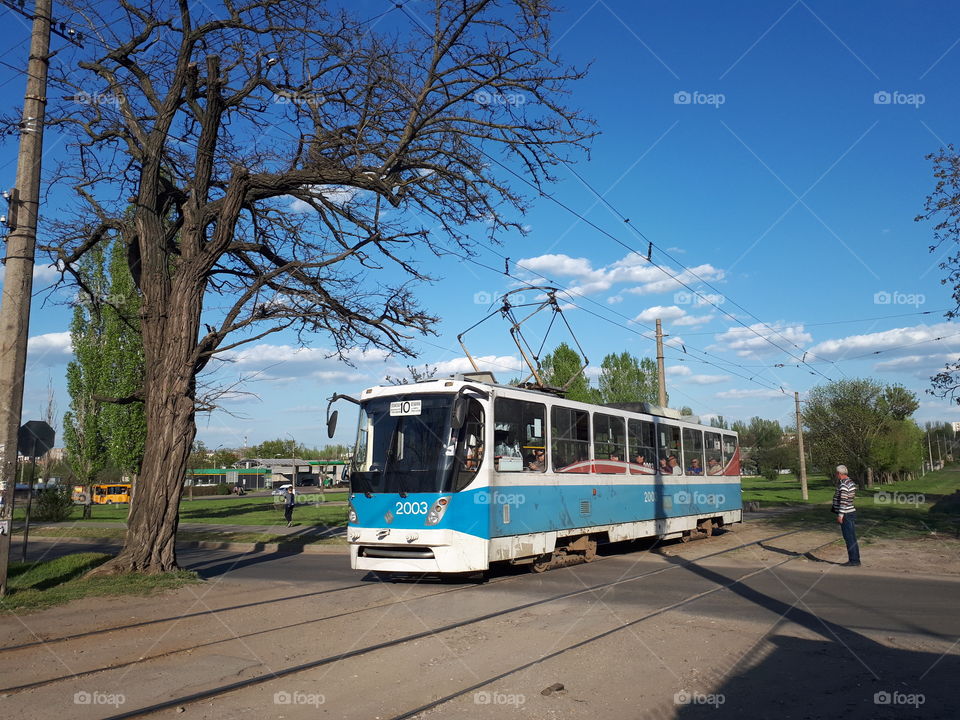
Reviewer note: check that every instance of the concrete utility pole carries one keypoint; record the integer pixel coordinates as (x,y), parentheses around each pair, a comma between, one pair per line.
(661,376)
(18,281)
(803,461)
(929,451)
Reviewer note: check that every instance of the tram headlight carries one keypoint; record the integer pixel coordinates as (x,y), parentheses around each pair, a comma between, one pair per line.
(351,514)
(437,511)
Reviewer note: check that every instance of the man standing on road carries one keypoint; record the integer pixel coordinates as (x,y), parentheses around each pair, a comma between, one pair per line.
(847,515)
(288,506)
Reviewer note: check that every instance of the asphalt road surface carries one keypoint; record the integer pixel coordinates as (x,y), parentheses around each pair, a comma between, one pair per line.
(697,630)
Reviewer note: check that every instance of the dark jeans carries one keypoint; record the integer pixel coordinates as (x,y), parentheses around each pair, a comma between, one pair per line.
(849,529)
(288,513)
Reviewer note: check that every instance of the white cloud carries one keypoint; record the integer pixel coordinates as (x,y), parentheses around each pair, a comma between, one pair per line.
(336,194)
(668,312)
(707,379)
(693,320)
(633,270)
(49,349)
(679,370)
(762,338)
(44,274)
(498,364)
(751,393)
(916,337)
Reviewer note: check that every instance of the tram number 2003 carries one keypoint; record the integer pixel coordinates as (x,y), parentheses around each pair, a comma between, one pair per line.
(412,508)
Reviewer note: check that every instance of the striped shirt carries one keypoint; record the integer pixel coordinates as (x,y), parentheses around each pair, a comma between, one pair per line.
(843,497)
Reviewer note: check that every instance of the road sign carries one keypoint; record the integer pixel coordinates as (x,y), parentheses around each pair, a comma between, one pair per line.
(35,438)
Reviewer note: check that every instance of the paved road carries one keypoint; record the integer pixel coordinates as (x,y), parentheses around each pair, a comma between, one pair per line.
(799,640)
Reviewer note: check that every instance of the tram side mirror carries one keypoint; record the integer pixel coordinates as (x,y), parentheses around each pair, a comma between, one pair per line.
(332,424)
(459,413)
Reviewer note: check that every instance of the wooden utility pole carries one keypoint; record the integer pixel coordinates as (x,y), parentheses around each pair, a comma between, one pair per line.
(18,281)
(661,375)
(803,461)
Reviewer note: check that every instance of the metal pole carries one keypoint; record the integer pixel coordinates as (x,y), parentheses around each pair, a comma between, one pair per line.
(803,461)
(661,376)
(18,282)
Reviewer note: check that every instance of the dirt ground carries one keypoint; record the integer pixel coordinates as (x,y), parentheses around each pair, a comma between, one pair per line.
(798,637)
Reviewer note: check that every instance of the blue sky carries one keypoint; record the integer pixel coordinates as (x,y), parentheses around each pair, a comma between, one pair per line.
(774,148)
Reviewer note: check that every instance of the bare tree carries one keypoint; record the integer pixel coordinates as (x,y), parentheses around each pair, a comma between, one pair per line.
(220,125)
(943,207)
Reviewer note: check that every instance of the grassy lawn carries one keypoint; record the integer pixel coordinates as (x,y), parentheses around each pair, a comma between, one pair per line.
(232,511)
(900,510)
(34,586)
(785,490)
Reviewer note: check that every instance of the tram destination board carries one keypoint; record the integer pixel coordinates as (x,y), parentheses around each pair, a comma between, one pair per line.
(405,407)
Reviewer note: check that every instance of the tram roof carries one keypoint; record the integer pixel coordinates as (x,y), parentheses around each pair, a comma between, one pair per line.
(454,382)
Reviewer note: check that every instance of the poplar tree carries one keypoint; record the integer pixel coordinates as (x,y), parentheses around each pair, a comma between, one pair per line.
(124,425)
(86,448)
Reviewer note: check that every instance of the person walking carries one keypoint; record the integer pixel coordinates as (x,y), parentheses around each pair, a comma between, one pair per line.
(847,515)
(288,502)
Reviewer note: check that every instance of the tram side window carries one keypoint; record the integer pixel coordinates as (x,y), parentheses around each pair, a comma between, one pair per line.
(713,448)
(470,448)
(609,442)
(519,435)
(729,450)
(693,451)
(643,446)
(670,453)
(570,437)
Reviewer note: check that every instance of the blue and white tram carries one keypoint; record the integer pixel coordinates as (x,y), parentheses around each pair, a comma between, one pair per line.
(454,474)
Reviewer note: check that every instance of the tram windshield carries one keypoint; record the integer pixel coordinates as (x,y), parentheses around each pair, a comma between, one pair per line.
(405,445)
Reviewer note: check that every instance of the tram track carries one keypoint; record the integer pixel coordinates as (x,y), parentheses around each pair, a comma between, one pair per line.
(599,636)
(227,688)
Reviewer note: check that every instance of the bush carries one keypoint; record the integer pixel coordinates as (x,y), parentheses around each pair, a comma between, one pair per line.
(770,473)
(223,489)
(53,504)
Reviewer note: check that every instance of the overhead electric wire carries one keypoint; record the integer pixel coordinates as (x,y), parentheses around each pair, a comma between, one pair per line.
(753,379)
(677,279)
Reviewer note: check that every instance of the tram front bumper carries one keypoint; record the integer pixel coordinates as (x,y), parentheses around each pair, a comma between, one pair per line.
(418,551)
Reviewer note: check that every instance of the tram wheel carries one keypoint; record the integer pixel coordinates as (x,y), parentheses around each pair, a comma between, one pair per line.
(542,563)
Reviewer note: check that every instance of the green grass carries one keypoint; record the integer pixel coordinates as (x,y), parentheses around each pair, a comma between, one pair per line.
(34,586)
(785,490)
(899,510)
(874,522)
(231,511)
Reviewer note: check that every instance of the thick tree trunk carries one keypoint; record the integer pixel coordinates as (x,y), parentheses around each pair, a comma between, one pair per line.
(869,477)
(169,344)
